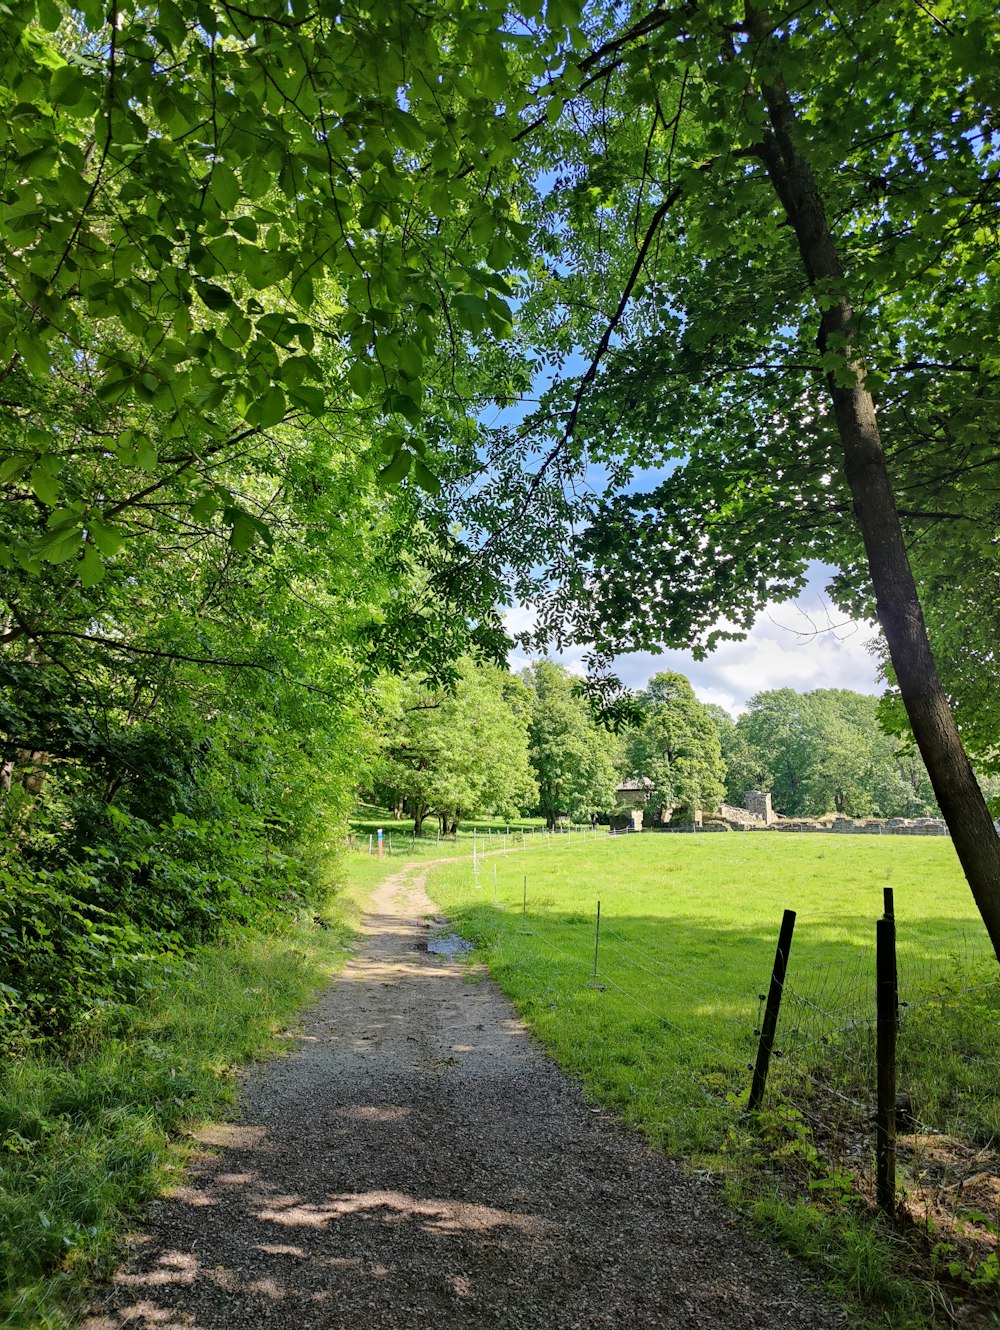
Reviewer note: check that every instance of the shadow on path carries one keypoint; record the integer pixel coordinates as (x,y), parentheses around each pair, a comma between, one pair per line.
(419,1162)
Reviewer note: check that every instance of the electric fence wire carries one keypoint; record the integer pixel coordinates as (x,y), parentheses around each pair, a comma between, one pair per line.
(660,966)
(581,963)
(628,950)
(683,982)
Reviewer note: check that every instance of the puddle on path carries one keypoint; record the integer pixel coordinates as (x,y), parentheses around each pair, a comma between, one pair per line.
(448,944)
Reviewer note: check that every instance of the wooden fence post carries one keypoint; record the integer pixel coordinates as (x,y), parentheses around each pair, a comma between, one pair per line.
(770,1023)
(889,910)
(885,1052)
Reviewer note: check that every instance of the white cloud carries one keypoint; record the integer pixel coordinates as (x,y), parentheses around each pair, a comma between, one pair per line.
(802,645)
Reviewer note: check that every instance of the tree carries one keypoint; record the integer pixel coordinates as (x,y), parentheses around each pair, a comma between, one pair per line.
(752,242)
(676,746)
(251,291)
(213,221)
(743,768)
(460,752)
(824,751)
(571,756)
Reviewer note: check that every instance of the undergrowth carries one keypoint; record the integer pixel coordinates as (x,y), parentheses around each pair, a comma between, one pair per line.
(91,1131)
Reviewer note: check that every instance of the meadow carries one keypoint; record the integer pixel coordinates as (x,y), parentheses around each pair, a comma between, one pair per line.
(666,1030)
(481,835)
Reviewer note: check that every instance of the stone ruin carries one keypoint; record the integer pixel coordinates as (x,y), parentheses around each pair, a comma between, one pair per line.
(758,816)
(759,804)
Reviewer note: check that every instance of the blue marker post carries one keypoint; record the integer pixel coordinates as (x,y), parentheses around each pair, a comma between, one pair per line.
(380,842)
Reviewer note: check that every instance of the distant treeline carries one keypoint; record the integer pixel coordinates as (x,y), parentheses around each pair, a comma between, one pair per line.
(528,744)
(822,752)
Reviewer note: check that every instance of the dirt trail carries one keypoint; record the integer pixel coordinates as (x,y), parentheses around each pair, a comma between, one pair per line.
(419,1162)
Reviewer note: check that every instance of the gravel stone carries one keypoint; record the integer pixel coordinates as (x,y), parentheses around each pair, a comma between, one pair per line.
(419,1162)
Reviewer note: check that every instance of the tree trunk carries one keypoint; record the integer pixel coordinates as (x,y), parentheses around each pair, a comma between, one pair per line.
(896,599)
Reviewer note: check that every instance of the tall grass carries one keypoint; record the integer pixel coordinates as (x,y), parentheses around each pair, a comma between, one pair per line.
(89,1134)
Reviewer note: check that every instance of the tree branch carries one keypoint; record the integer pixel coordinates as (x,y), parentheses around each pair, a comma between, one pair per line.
(220,661)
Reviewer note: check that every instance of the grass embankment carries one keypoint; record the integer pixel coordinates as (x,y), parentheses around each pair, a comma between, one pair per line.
(688,930)
(91,1133)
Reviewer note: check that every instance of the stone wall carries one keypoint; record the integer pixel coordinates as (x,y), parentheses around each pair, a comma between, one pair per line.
(869,826)
(759,803)
(741,816)
(729,818)
(698,827)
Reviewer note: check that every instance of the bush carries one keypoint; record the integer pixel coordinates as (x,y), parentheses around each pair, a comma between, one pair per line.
(88,927)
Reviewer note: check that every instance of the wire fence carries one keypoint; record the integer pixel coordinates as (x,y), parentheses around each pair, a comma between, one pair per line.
(396,841)
(815,1132)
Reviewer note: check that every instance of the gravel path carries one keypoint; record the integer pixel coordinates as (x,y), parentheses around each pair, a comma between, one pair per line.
(419,1162)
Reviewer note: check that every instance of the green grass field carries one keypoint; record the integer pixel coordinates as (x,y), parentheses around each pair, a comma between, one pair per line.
(482,834)
(688,931)
(689,926)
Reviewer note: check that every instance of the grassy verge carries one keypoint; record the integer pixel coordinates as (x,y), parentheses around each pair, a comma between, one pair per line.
(687,940)
(88,1135)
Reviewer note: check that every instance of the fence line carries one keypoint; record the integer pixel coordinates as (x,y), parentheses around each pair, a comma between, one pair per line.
(821,1091)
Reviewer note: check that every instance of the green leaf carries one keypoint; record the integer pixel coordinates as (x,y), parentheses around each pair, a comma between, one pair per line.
(302,291)
(397,470)
(359,376)
(91,569)
(426,478)
(45,486)
(60,545)
(50,15)
(243,533)
(108,539)
(310,398)
(67,86)
(146,455)
(405,406)
(35,356)
(13,468)
(205,506)
(225,188)
(411,362)
(268,410)
(215,297)
(245,529)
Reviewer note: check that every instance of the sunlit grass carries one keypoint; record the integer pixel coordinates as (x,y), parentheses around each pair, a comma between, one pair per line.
(688,931)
